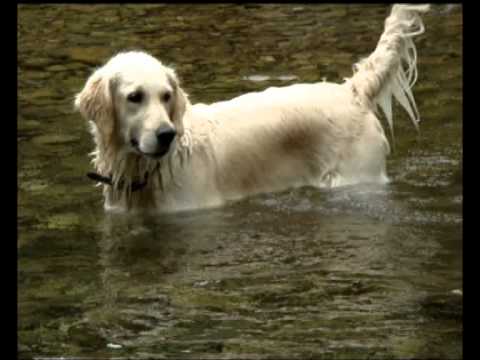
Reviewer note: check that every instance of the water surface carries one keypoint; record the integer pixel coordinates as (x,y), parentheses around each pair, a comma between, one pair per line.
(356,272)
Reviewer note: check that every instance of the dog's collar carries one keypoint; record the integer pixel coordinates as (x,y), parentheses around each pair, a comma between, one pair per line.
(135,185)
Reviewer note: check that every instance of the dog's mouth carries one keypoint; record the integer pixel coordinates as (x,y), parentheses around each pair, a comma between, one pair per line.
(161,151)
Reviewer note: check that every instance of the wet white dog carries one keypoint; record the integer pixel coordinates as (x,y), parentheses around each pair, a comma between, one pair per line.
(156,150)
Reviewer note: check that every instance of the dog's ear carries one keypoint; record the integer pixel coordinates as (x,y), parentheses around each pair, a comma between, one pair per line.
(180,101)
(95,103)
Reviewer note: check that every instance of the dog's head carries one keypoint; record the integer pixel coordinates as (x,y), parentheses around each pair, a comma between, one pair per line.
(135,103)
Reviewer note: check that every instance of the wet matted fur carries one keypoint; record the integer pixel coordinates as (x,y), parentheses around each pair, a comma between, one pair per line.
(320,134)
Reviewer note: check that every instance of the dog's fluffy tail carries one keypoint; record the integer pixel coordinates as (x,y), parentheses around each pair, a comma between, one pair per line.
(391,70)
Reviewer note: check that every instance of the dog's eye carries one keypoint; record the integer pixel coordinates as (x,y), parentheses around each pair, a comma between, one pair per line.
(166,97)
(135,97)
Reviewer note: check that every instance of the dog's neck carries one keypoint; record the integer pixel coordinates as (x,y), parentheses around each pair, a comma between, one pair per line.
(126,175)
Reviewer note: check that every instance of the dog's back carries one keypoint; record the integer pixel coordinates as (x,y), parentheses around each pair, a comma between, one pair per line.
(303,134)
(319,134)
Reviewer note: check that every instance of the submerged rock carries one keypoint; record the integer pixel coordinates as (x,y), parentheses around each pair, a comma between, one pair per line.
(37,63)
(63,221)
(28,124)
(90,55)
(34,186)
(51,139)
(257,77)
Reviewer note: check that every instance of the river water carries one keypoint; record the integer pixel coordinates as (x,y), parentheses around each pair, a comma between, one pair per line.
(355,272)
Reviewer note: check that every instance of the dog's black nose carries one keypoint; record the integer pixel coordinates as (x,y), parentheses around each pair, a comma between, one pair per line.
(165,136)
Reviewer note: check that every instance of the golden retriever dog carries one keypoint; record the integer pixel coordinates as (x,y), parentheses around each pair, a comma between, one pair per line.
(155,150)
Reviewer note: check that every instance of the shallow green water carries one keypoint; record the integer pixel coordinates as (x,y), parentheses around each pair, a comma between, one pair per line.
(357,272)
